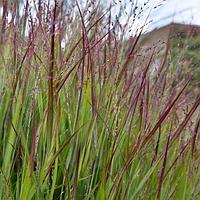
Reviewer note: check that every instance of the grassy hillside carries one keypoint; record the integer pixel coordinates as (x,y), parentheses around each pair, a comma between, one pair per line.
(184,46)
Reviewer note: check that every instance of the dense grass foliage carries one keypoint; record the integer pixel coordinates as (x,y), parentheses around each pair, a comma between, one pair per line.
(87,114)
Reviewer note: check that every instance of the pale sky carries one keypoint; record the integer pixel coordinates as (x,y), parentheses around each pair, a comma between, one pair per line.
(166,11)
(184,11)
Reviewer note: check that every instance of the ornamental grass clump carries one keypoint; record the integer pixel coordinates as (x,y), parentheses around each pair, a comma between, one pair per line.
(88,111)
